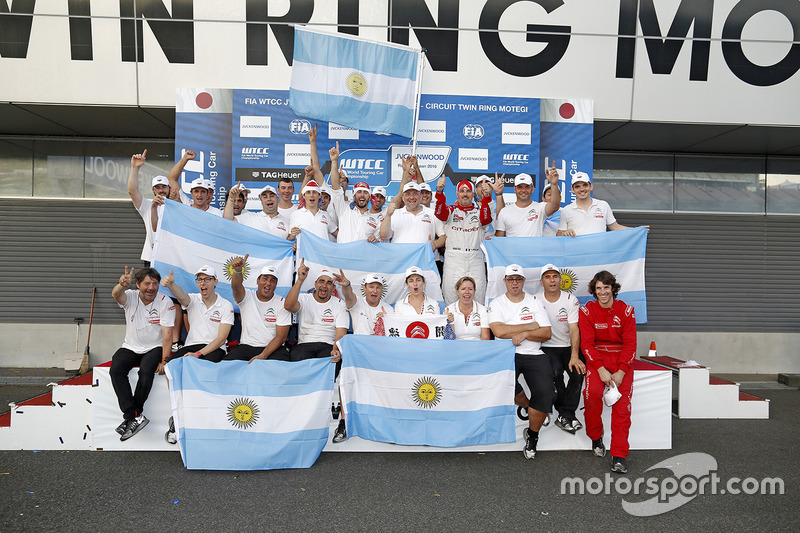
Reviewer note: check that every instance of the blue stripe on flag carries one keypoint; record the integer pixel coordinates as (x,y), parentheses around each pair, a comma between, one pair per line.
(399,355)
(344,52)
(447,429)
(353,113)
(237,450)
(235,378)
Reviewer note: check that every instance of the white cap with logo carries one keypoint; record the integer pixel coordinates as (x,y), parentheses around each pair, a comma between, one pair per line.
(207,270)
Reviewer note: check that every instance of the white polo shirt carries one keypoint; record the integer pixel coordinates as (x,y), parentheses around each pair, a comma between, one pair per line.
(211,209)
(501,309)
(259,319)
(354,225)
(277,225)
(143,322)
(522,221)
(204,322)
(561,313)
(364,315)
(594,220)
(319,224)
(149,235)
(317,322)
(287,211)
(469,328)
(410,228)
(429,307)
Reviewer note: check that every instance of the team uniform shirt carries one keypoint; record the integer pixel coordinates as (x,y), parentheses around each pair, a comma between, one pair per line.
(594,220)
(429,307)
(529,310)
(287,211)
(150,235)
(319,224)
(608,335)
(211,209)
(550,228)
(469,328)
(522,221)
(364,315)
(259,319)
(353,225)
(561,313)
(143,323)
(334,220)
(204,322)
(277,225)
(410,228)
(317,322)
(377,219)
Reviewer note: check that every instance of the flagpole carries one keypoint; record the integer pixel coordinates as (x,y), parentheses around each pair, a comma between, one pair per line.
(417,105)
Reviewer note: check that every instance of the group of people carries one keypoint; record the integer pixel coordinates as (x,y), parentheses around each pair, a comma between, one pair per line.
(551,332)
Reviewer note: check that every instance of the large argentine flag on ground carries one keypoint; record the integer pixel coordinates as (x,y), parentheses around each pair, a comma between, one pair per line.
(621,252)
(360,258)
(354,82)
(433,392)
(238,416)
(189,238)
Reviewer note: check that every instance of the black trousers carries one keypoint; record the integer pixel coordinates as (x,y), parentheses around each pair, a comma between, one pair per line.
(132,403)
(568,396)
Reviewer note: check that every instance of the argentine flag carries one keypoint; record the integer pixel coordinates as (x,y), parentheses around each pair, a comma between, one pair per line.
(238,416)
(189,238)
(621,252)
(357,259)
(428,392)
(357,83)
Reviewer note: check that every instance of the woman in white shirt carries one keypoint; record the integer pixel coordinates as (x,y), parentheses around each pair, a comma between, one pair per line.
(470,319)
(416,302)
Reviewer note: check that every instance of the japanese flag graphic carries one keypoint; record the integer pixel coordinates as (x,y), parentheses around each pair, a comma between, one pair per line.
(567,110)
(204,101)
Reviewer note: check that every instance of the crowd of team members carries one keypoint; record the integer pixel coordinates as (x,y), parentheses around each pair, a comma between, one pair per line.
(552,333)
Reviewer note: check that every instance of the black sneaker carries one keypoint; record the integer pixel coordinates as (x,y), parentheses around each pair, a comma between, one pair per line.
(336,410)
(170,435)
(340,435)
(522,412)
(121,428)
(529,451)
(598,448)
(565,424)
(618,465)
(134,426)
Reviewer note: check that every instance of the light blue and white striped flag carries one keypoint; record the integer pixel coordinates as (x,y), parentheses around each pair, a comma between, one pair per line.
(360,258)
(431,392)
(621,252)
(238,416)
(354,82)
(189,238)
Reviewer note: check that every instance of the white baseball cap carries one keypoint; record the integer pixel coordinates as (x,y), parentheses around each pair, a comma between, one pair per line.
(482,177)
(514,270)
(325,272)
(611,395)
(425,187)
(581,177)
(379,190)
(414,271)
(201,183)
(268,271)
(268,188)
(411,186)
(160,180)
(547,268)
(208,271)
(523,179)
(372,278)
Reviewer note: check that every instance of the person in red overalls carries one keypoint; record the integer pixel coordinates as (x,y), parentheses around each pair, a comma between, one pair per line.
(608,341)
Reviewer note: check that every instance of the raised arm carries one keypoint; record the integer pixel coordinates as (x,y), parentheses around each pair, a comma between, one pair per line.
(292,304)
(137,160)
(386,223)
(312,139)
(554,204)
(498,185)
(175,289)
(175,174)
(237,286)
(347,288)
(232,194)
(118,292)
(334,153)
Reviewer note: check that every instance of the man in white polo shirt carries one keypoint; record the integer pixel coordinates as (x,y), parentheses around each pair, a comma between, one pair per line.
(322,318)
(413,223)
(311,218)
(355,223)
(563,347)
(202,190)
(367,307)
(586,215)
(265,321)
(518,316)
(268,219)
(525,218)
(145,206)
(149,316)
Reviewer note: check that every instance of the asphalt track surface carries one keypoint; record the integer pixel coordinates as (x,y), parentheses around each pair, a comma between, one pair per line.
(430,492)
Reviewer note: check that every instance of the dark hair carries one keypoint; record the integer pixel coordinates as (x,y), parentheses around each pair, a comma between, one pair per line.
(147,271)
(606,278)
(286,180)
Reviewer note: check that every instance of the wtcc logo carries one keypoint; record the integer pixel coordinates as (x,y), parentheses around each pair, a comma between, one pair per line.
(299,126)
(473,131)
(516,159)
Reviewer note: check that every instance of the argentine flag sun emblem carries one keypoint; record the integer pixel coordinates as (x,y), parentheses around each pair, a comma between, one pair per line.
(243,413)
(427,392)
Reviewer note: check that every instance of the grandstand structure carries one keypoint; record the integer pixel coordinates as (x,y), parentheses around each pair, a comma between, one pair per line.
(696,134)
